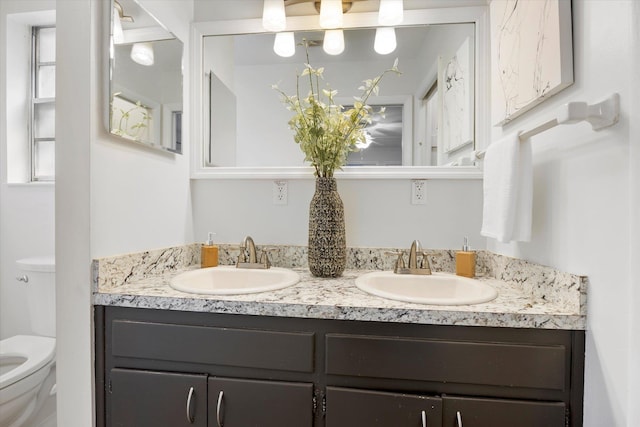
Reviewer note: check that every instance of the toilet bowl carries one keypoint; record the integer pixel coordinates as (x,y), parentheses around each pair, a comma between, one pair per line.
(27,362)
(27,377)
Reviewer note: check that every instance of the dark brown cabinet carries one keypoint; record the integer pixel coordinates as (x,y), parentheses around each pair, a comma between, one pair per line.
(354,408)
(476,412)
(147,398)
(249,403)
(171,368)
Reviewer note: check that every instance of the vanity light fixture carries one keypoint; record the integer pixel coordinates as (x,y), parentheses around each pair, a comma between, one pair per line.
(142,53)
(331,14)
(118,17)
(333,43)
(284,44)
(273,15)
(385,41)
(391,12)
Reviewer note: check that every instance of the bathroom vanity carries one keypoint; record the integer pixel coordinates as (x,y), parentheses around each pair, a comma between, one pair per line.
(323,353)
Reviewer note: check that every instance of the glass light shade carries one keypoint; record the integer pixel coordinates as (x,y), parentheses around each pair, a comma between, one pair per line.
(391,12)
(331,13)
(385,41)
(118,34)
(333,43)
(273,15)
(284,44)
(142,53)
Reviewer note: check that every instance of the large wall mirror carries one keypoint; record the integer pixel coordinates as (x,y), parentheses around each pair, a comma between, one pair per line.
(145,85)
(434,119)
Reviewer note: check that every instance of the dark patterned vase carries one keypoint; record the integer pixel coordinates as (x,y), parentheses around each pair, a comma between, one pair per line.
(327,242)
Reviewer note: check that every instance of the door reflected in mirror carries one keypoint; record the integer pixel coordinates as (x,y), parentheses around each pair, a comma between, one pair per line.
(145,85)
(429,117)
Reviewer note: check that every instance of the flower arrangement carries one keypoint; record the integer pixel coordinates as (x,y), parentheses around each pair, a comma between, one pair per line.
(326,131)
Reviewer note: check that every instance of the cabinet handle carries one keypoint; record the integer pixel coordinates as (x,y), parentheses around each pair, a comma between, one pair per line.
(189,416)
(424,419)
(459,419)
(218,407)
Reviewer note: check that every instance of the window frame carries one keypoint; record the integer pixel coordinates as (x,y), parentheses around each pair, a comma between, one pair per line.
(35,100)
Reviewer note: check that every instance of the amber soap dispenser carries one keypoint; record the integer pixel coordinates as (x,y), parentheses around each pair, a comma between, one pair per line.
(466,261)
(209,253)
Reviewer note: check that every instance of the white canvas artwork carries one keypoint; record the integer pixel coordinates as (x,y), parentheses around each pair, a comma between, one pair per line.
(455,86)
(531,51)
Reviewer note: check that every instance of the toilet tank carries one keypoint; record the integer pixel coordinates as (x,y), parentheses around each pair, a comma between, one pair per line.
(41,293)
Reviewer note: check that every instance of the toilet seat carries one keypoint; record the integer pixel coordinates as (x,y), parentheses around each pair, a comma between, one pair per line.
(38,352)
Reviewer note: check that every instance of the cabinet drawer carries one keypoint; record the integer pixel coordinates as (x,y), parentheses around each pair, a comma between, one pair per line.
(496,412)
(479,363)
(284,351)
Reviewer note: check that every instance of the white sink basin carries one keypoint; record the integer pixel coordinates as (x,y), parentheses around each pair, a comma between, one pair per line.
(437,289)
(229,280)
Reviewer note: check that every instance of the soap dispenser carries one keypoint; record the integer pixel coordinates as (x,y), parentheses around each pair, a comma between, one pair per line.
(209,253)
(466,261)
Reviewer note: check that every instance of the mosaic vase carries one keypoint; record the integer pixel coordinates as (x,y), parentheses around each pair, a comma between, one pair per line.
(327,242)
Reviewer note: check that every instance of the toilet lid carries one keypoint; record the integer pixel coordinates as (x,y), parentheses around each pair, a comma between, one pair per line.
(46,264)
(38,351)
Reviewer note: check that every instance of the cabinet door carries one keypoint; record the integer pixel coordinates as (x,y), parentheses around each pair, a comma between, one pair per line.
(476,412)
(156,399)
(355,408)
(251,403)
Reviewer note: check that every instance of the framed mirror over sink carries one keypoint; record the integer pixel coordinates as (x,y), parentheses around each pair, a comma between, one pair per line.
(241,126)
(145,79)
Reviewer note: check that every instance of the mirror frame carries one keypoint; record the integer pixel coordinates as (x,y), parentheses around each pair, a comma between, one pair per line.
(477,15)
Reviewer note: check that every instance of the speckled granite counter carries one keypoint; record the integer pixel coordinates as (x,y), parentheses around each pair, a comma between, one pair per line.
(529,295)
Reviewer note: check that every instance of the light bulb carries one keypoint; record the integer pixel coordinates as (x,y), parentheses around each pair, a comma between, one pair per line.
(142,53)
(385,41)
(333,43)
(390,12)
(273,15)
(284,44)
(331,13)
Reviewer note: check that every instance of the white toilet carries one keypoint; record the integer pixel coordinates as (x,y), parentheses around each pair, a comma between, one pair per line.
(27,362)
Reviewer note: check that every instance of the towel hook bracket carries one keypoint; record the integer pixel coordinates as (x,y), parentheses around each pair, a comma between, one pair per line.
(600,115)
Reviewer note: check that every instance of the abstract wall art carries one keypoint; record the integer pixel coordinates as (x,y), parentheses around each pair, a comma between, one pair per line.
(531,54)
(455,84)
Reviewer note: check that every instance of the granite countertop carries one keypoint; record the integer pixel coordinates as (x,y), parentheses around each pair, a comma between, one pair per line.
(529,296)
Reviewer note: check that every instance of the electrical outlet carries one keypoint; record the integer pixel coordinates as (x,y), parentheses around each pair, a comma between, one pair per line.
(418,192)
(280,192)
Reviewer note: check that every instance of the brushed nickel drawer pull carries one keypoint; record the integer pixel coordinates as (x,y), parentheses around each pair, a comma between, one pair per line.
(189,416)
(218,407)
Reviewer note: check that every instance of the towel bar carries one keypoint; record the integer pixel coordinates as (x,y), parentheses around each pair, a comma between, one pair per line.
(601,115)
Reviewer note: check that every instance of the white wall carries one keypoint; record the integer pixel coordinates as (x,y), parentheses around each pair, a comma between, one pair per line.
(582,206)
(378,213)
(112,196)
(26,210)
(634,230)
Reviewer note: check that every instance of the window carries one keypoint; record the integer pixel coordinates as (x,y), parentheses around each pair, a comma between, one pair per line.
(43,87)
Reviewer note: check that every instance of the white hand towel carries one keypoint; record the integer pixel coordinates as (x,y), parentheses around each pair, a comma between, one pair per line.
(508,190)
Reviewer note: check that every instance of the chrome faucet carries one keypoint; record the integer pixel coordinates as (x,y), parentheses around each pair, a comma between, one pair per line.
(414,268)
(249,247)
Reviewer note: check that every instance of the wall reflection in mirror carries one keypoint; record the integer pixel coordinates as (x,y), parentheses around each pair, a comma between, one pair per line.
(429,117)
(145,104)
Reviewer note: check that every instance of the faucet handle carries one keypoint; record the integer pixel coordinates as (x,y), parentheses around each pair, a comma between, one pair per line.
(424,265)
(264,258)
(399,262)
